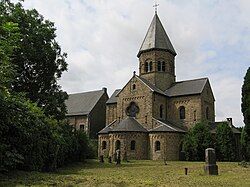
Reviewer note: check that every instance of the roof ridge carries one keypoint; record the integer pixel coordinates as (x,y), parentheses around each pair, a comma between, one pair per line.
(86,92)
(192,80)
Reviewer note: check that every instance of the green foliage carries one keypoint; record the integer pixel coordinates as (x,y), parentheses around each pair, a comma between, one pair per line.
(225,143)
(245,108)
(38,59)
(196,141)
(31,135)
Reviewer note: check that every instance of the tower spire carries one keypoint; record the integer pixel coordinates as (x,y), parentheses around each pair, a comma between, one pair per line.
(155,6)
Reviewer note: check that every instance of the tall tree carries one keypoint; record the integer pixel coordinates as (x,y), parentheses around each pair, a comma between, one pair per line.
(245,108)
(196,141)
(38,59)
(225,143)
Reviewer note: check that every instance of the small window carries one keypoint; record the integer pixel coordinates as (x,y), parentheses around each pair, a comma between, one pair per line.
(207,113)
(82,127)
(132,145)
(159,66)
(117,144)
(104,145)
(163,66)
(157,146)
(182,112)
(195,115)
(161,111)
(146,67)
(134,87)
(150,66)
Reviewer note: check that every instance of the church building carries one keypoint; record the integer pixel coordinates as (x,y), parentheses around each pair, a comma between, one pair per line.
(148,117)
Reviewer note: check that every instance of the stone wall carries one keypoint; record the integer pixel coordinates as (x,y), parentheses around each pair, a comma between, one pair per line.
(162,80)
(142,96)
(111,113)
(76,121)
(193,110)
(141,145)
(170,145)
(101,149)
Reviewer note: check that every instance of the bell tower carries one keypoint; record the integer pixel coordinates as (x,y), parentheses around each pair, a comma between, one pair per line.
(157,56)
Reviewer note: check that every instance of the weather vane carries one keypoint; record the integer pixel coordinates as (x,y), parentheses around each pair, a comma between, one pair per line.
(155,6)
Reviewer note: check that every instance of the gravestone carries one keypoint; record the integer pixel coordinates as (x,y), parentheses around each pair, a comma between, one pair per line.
(118,157)
(101,159)
(210,168)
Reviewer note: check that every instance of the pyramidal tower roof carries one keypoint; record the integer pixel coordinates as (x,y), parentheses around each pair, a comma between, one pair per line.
(156,38)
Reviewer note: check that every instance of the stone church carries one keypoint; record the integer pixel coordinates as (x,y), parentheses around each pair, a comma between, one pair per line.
(148,117)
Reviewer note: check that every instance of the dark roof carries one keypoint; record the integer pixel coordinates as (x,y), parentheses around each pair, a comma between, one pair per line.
(129,124)
(108,128)
(150,85)
(82,103)
(113,98)
(189,87)
(166,126)
(156,38)
(214,125)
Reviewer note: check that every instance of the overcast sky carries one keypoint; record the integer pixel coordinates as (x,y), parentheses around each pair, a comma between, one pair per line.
(102,39)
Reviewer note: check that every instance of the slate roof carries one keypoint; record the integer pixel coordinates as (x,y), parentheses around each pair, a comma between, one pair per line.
(129,124)
(166,126)
(82,103)
(214,125)
(189,87)
(108,128)
(156,38)
(113,98)
(151,86)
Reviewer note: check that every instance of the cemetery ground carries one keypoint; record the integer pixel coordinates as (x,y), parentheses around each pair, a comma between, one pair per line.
(132,173)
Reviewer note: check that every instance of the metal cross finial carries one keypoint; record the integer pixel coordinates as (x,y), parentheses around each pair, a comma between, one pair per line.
(155,6)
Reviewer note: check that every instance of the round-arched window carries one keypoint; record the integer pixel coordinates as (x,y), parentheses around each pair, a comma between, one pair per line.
(104,145)
(117,144)
(182,112)
(207,113)
(157,146)
(132,145)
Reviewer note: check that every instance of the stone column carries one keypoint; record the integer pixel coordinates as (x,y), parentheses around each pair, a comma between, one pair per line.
(210,168)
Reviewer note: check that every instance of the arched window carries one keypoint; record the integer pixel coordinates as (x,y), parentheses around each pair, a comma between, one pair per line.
(159,66)
(104,145)
(132,110)
(134,87)
(161,111)
(195,115)
(182,112)
(150,66)
(163,66)
(207,113)
(132,145)
(117,144)
(157,146)
(146,66)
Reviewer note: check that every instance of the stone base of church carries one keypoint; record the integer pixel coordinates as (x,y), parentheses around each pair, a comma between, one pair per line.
(168,148)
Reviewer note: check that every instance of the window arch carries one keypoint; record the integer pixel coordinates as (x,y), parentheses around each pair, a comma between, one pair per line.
(104,144)
(146,66)
(134,87)
(157,146)
(132,145)
(161,111)
(207,113)
(150,66)
(161,66)
(182,112)
(117,144)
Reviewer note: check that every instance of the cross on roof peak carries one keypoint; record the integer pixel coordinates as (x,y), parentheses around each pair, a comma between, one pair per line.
(156,6)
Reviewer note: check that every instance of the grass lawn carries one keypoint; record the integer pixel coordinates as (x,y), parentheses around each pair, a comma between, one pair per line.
(133,173)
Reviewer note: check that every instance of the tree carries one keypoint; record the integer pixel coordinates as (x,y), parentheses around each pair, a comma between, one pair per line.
(245,108)
(38,59)
(196,141)
(225,143)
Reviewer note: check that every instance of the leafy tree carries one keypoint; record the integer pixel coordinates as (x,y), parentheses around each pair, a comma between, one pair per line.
(225,143)
(196,141)
(245,108)
(38,59)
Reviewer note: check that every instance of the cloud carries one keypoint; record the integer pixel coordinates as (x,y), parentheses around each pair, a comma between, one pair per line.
(102,38)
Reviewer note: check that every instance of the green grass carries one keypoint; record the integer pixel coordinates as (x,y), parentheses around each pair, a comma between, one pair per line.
(133,173)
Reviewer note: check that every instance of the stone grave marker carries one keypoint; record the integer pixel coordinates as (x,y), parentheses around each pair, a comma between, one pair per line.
(210,158)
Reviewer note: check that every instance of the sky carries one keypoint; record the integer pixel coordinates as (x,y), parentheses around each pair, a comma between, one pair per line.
(102,39)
